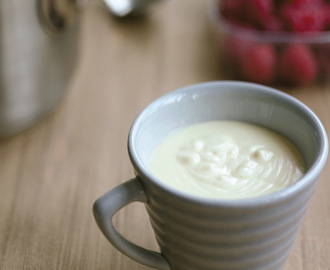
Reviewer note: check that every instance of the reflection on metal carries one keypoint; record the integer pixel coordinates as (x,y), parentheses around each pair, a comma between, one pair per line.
(38,53)
(123,8)
(57,15)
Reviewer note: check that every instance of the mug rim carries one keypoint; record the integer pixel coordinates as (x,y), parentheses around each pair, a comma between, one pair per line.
(310,176)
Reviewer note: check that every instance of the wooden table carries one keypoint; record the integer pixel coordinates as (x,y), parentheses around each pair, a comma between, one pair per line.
(51,174)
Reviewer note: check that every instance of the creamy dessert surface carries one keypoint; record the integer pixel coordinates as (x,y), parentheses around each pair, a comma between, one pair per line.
(226,159)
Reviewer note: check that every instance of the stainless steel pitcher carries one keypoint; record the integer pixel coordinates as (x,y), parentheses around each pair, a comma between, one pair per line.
(38,51)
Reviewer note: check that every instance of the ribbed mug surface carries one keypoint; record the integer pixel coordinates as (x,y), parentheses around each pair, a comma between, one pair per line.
(205,236)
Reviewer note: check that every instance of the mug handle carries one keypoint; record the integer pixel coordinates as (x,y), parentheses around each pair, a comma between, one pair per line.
(111,202)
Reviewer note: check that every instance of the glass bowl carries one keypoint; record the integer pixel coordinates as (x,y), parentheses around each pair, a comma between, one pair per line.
(271,57)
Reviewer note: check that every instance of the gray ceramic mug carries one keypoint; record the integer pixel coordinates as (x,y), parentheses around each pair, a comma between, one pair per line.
(208,234)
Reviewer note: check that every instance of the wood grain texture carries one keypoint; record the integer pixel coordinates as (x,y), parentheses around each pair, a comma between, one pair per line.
(51,174)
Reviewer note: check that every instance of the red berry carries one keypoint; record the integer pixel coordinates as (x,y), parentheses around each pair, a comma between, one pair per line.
(304,16)
(235,48)
(300,2)
(273,24)
(258,64)
(297,65)
(258,12)
(327,17)
(323,57)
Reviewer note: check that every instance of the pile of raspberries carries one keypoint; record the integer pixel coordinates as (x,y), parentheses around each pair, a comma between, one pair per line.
(291,63)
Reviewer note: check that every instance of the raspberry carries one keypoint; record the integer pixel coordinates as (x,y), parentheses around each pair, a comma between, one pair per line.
(304,16)
(301,2)
(297,65)
(258,64)
(273,24)
(327,17)
(235,48)
(323,57)
(258,12)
